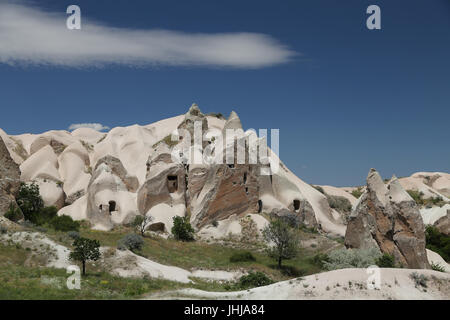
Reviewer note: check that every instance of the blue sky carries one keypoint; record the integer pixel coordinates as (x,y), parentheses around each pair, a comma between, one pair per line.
(349,98)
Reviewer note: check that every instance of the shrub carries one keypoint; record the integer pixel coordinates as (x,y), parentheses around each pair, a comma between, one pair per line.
(64,223)
(73,234)
(254,279)
(428,202)
(339,203)
(14,214)
(437,267)
(45,215)
(243,256)
(182,229)
(385,261)
(29,201)
(357,193)
(291,219)
(320,189)
(419,279)
(351,258)
(214,223)
(319,259)
(438,242)
(131,242)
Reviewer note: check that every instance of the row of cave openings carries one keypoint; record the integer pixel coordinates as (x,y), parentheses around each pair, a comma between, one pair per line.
(111,206)
(172,185)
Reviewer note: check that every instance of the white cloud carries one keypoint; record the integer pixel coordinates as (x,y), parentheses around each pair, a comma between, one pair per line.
(95,126)
(29,35)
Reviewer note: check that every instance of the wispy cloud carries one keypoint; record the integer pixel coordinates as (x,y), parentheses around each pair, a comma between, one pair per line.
(95,126)
(29,35)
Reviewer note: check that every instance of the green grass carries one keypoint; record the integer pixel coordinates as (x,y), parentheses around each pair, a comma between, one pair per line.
(197,254)
(18,280)
(21,282)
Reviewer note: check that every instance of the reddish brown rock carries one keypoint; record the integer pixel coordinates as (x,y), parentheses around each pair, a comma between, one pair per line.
(9,179)
(386,217)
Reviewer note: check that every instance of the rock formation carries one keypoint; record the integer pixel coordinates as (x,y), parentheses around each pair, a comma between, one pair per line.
(111,195)
(9,179)
(386,217)
(109,178)
(443,224)
(221,190)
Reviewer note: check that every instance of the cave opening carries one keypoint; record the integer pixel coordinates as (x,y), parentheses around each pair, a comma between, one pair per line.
(112,206)
(172,183)
(260,206)
(296,204)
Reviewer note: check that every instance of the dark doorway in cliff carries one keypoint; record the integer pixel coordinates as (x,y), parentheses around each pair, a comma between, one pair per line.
(112,206)
(172,183)
(296,204)
(245,177)
(260,206)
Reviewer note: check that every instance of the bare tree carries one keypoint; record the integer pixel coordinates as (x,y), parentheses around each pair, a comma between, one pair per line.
(141,222)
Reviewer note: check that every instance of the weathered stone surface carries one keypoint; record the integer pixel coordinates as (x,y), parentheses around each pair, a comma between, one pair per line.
(304,214)
(443,224)
(119,170)
(165,183)
(222,190)
(386,217)
(194,115)
(110,195)
(43,141)
(9,179)
(74,197)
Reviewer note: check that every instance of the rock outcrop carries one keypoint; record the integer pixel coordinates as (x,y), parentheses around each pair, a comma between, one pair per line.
(9,179)
(219,191)
(386,217)
(443,224)
(111,195)
(109,178)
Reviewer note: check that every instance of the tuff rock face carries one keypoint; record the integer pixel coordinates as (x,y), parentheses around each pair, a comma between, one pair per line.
(219,191)
(386,217)
(9,179)
(111,195)
(443,224)
(109,178)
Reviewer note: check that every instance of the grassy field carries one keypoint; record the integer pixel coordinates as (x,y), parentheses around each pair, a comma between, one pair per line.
(20,278)
(202,255)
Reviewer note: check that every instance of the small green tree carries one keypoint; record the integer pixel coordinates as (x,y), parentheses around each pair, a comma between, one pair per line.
(85,250)
(182,229)
(284,238)
(29,201)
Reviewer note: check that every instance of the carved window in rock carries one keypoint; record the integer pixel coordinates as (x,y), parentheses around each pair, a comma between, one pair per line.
(260,206)
(296,204)
(112,206)
(172,183)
